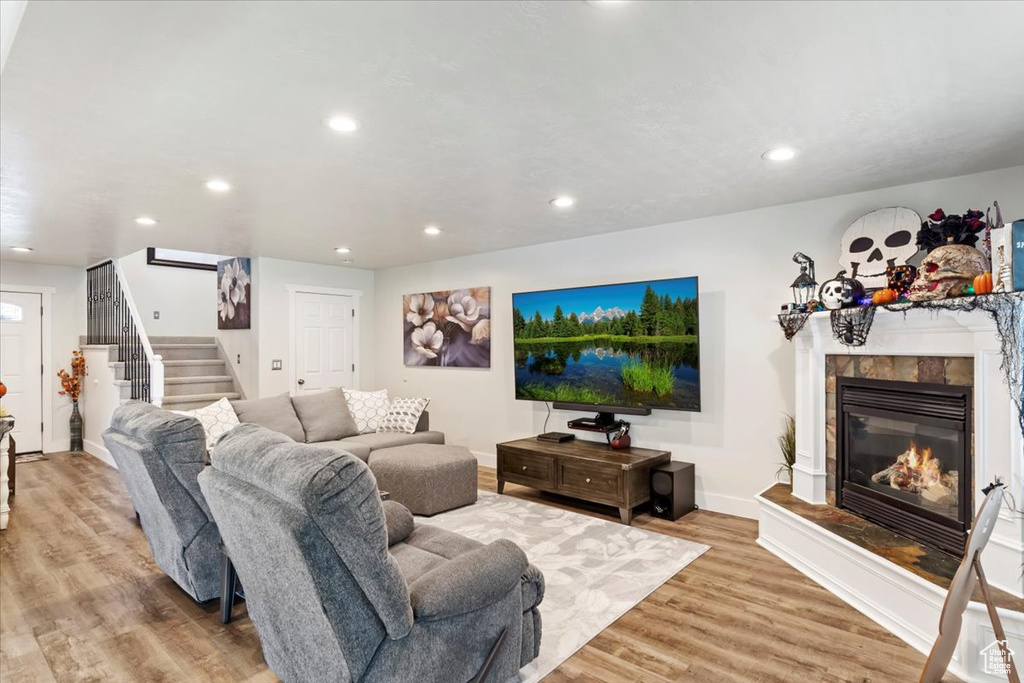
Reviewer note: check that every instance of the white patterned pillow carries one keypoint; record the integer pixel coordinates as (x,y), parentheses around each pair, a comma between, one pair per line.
(403,415)
(367,407)
(217,419)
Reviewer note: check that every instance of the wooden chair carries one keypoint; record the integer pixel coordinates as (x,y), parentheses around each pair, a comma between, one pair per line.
(961,589)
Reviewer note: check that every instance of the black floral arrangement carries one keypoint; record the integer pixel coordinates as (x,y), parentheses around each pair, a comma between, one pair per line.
(940,229)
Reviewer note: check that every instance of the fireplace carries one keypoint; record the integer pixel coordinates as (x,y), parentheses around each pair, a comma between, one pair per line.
(903,457)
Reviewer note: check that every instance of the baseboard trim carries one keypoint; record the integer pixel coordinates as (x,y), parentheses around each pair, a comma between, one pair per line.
(486,459)
(99,452)
(728,505)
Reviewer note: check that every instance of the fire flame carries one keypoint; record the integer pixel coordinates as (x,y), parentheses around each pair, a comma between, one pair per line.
(915,459)
(918,469)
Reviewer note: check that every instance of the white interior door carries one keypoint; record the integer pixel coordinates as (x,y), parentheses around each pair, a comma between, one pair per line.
(21,366)
(323,342)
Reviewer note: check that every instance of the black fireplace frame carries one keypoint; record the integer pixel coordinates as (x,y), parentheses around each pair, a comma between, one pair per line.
(939,405)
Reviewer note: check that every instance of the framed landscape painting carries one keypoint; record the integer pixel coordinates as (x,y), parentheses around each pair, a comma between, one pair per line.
(234,294)
(448,328)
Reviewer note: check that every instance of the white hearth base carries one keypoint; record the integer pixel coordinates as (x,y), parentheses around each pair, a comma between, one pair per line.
(893,597)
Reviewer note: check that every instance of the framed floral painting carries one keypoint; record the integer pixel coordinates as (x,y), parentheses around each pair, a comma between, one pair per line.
(449,328)
(234,294)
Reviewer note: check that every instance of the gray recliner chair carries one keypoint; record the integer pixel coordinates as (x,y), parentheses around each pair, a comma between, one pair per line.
(160,455)
(343,587)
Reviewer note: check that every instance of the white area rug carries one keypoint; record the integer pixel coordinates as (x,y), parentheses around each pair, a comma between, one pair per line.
(594,570)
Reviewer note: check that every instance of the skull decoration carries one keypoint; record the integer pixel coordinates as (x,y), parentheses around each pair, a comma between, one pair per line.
(878,240)
(840,291)
(947,271)
(900,278)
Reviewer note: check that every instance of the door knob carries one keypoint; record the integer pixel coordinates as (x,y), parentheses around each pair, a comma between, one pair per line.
(302,381)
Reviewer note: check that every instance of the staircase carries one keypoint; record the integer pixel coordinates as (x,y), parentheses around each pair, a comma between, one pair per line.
(196,374)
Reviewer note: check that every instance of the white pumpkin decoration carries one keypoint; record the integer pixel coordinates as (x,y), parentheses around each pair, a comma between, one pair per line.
(877,240)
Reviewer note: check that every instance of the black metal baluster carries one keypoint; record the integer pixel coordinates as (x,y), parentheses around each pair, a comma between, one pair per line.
(109,321)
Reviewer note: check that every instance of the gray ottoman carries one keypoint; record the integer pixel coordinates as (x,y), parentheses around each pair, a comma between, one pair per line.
(426,478)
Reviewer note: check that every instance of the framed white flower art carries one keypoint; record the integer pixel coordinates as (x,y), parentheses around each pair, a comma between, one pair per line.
(448,328)
(234,294)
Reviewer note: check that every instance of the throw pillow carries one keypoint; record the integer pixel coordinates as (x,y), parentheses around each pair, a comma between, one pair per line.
(403,415)
(217,419)
(367,407)
(276,413)
(325,416)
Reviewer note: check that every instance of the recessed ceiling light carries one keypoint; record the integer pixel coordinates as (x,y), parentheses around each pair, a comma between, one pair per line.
(343,124)
(606,3)
(21,248)
(346,261)
(145,220)
(217,185)
(779,154)
(343,250)
(562,202)
(432,230)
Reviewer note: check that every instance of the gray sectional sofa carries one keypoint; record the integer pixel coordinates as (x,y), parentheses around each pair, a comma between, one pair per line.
(343,587)
(417,469)
(324,419)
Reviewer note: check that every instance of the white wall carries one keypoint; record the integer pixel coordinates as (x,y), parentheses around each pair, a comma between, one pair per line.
(747,370)
(271,278)
(100,398)
(11,12)
(68,323)
(186,298)
(242,346)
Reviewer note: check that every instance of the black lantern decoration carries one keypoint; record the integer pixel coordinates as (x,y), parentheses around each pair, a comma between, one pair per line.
(804,286)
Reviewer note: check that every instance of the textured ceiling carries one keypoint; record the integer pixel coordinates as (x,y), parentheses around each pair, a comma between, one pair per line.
(475,115)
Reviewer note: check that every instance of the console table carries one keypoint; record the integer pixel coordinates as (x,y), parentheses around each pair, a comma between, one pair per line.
(581,469)
(6,469)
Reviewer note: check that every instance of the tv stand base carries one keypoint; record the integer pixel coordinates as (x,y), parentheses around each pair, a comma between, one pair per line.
(585,470)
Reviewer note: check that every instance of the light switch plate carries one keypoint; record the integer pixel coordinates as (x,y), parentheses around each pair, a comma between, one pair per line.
(275,365)
(156,315)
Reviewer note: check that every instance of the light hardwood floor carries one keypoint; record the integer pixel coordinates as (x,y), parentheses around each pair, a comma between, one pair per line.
(81,599)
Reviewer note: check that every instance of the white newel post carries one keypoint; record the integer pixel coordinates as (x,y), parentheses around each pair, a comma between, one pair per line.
(156,380)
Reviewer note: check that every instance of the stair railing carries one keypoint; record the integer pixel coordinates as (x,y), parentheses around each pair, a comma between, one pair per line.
(113,319)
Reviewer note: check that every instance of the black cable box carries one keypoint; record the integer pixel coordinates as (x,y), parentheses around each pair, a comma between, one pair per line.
(557,437)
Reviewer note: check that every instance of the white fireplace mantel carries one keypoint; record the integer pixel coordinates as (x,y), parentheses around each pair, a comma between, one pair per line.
(872,584)
(998,449)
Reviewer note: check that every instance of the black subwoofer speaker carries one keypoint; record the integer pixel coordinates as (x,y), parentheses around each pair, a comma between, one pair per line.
(672,490)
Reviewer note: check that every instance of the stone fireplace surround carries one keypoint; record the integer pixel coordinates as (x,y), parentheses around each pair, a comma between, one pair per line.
(923,346)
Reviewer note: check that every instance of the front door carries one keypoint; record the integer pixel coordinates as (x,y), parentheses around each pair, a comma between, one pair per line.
(323,342)
(21,366)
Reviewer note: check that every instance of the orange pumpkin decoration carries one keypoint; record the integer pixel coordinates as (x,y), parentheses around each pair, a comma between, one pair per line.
(983,283)
(884,296)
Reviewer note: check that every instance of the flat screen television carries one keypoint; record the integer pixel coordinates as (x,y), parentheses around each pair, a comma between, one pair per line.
(611,348)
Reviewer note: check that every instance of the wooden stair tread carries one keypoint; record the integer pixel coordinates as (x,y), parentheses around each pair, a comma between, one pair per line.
(196,361)
(196,398)
(197,379)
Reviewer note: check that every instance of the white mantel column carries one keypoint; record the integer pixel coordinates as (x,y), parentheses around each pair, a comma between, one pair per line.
(809,476)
